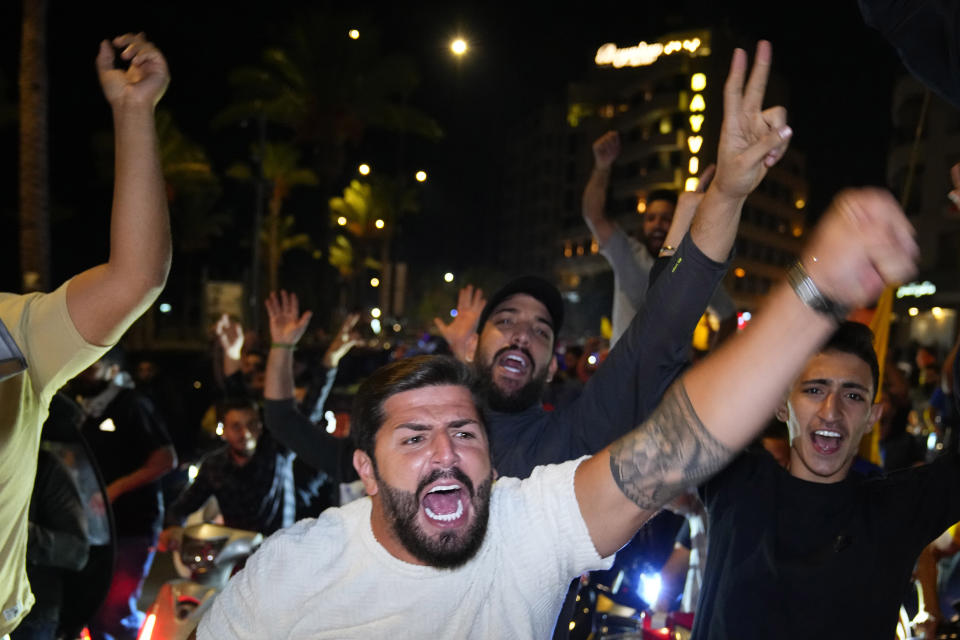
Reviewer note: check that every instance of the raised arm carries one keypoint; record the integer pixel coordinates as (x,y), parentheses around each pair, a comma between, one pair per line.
(230,336)
(284,421)
(105,300)
(605,152)
(751,140)
(461,332)
(687,204)
(720,405)
(287,326)
(655,347)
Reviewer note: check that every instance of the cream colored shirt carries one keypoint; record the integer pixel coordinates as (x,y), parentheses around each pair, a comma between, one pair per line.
(331,578)
(55,352)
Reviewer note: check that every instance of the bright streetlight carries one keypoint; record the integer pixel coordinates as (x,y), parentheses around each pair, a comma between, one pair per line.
(342,221)
(364,169)
(374,282)
(378,224)
(375,312)
(421,176)
(354,34)
(458,46)
(448,277)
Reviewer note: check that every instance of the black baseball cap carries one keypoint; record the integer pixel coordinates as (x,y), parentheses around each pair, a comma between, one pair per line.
(535,287)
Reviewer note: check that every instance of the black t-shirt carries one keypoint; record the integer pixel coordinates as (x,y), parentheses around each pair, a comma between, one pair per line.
(796,559)
(122,439)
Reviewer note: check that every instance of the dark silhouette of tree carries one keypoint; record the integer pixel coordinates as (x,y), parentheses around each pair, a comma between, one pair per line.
(34,161)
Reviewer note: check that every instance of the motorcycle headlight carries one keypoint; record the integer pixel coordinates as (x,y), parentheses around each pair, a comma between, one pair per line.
(648,588)
(199,556)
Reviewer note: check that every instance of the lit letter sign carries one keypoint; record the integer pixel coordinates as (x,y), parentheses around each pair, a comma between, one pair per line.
(917,289)
(643,54)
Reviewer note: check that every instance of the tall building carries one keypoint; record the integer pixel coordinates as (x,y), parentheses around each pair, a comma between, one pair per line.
(928,306)
(665,100)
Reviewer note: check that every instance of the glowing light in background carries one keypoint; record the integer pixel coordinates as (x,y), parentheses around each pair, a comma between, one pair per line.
(331,419)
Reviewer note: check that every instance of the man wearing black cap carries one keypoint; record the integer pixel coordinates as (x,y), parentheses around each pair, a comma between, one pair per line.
(513,348)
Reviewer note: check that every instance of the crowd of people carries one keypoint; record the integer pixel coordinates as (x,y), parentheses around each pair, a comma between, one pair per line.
(478,486)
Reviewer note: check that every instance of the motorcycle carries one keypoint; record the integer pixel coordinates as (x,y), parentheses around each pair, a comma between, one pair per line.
(619,612)
(210,554)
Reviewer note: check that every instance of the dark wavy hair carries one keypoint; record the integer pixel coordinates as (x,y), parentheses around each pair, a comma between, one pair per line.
(856,339)
(399,376)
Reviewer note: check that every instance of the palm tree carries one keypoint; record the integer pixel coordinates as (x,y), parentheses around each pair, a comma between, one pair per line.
(280,166)
(368,213)
(193,189)
(328,90)
(34,163)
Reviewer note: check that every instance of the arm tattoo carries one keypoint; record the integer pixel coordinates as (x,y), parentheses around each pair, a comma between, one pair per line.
(672,450)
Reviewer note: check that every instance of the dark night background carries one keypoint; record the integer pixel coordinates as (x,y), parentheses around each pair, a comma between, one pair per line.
(522,54)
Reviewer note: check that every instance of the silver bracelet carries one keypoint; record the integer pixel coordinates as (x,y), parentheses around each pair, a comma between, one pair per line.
(810,295)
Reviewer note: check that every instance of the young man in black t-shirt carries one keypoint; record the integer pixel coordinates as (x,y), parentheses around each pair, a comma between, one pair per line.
(818,550)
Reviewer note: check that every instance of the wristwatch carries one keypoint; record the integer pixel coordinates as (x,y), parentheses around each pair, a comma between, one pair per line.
(810,295)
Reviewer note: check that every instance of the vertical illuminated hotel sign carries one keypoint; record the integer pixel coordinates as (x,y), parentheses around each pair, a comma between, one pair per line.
(644,54)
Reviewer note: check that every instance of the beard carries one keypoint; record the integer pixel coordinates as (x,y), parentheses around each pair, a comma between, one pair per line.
(509,401)
(450,549)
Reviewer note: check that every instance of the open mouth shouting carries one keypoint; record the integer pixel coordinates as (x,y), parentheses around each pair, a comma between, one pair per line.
(515,362)
(444,503)
(447,499)
(826,441)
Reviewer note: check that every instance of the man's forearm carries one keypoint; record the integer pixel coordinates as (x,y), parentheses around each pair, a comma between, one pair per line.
(140,228)
(594,205)
(158,464)
(278,384)
(714,227)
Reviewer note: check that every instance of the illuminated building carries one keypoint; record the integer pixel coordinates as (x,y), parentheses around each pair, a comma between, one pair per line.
(935,218)
(664,96)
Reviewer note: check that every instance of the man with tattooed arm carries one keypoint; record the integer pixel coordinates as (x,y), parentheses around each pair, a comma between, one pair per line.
(440,546)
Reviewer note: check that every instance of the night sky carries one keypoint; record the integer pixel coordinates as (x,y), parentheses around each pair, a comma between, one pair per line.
(522,54)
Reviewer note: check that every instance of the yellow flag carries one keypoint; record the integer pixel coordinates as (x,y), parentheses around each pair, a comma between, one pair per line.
(880,325)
